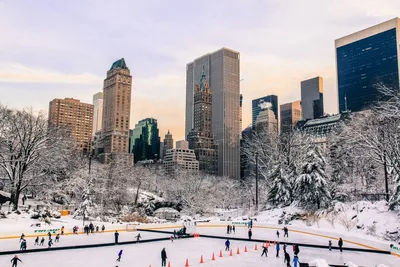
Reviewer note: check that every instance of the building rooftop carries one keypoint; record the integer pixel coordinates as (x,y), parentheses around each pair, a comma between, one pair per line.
(119,64)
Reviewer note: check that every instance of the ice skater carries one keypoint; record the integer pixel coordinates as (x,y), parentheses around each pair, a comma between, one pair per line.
(340,243)
(233,229)
(116,235)
(163,257)
(227,244)
(287,259)
(330,245)
(286,232)
(277,234)
(37,241)
(265,251)
(295,261)
(15,260)
(296,249)
(57,238)
(250,234)
(23,245)
(119,255)
(22,237)
(62,230)
(50,243)
(42,241)
(138,237)
(277,249)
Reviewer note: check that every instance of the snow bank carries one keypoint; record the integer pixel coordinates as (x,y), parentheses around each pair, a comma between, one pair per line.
(319,263)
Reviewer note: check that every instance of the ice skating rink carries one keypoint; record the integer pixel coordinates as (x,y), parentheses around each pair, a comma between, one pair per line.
(147,254)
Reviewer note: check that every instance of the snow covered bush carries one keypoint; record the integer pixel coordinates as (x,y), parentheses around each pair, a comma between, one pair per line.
(347,222)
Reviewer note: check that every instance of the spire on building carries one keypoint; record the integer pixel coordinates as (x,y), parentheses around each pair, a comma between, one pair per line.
(119,64)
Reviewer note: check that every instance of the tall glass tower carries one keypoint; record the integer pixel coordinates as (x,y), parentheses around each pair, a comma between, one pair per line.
(365,59)
(144,140)
(223,69)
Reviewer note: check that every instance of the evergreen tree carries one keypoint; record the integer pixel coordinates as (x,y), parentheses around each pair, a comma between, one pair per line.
(311,185)
(281,187)
(87,207)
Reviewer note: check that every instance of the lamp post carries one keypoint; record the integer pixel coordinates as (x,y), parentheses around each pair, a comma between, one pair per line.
(90,163)
(256,182)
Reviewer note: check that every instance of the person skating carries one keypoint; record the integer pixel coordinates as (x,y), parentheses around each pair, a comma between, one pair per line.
(57,238)
(295,261)
(50,243)
(14,261)
(91,227)
(184,230)
(277,249)
(330,245)
(296,249)
(174,234)
(227,244)
(265,251)
(284,248)
(103,228)
(116,235)
(277,234)
(233,228)
(23,245)
(250,233)
(22,237)
(340,243)
(286,232)
(49,235)
(97,228)
(163,257)
(62,230)
(119,255)
(138,237)
(37,241)
(287,259)
(227,229)
(42,241)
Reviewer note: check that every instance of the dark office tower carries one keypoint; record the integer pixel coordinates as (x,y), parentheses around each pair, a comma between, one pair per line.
(365,59)
(290,115)
(256,107)
(223,71)
(200,137)
(145,142)
(312,100)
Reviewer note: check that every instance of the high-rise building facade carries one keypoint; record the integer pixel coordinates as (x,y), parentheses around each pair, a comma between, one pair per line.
(365,59)
(256,107)
(266,120)
(97,112)
(116,109)
(200,138)
(290,115)
(223,69)
(180,158)
(167,144)
(312,98)
(145,142)
(75,117)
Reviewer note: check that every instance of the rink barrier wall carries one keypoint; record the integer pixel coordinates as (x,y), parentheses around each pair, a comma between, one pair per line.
(379,251)
(15,252)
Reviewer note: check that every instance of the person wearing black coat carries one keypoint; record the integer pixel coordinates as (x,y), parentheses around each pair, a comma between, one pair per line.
(14,261)
(163,257)
(116,235)
(250,233)
(296,250)
(340,243)
(287,259)
(265,251)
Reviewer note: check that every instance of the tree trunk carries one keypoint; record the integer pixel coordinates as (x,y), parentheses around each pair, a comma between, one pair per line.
(15,200)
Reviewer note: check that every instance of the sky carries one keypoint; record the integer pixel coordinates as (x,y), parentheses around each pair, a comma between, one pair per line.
(56,49)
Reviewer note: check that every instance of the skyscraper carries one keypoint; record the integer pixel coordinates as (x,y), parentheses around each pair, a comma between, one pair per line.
(312,100)
(266,120)
(200,137)
(116,110)
(145,142)
(97,112)
(290,115)
(255,107)
(223,69)
(365,59)
(167,144)
(75,117)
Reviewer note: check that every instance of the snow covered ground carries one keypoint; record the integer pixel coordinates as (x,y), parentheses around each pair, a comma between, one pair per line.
(147,254)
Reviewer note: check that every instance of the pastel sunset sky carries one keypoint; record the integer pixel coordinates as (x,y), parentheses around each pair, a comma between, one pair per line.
(55,49)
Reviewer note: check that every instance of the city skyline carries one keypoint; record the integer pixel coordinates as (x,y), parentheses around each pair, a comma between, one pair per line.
(68,58)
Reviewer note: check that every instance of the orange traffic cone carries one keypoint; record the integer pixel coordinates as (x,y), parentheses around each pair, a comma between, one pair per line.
(201,259)
(274,242)
(238,251)
(255,247)
(213,257)
(230,253)
(220,254)
(268,244)
(169,264)
(245,248)
(187,263)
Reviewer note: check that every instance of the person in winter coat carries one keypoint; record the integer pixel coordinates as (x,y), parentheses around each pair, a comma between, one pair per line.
(97,228)
(287,259)
(22,237)
(265,251)
(116,235)
(277,249)
(284,248)
(62,230)
(250,233)
(296,250)
(23,245)
(295,261)
(57,238)
(233,228)
(340,243)
(286,232)
(14,261)
(277,234)
(163,257)
(227,244)
(227,229)
(103,228)
(138,237)
(50,243)
(330,245)
(49,235)
(42,241)
(119,255)
(37,241)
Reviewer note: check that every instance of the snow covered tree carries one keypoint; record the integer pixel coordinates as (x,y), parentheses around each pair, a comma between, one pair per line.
(311,186)
(281,190)
(87,207)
